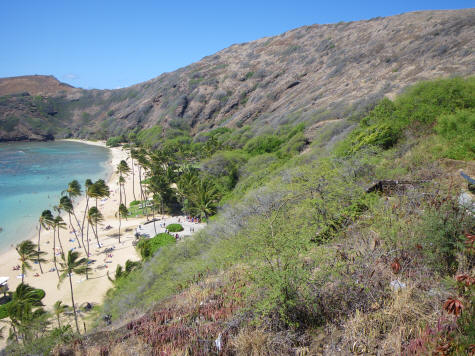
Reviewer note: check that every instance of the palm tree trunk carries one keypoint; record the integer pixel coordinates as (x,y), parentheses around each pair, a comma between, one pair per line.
(153,217)
(125,195)
(22,271)
(140,183)
(79,225)
(84,217)
(74,230)
(15,332)
(146,203)
(133,179)
(120,189)
(82,233)
(60,244)
(74,306)
(54,252)
(39,262)
(95,234)
(59,323)
(142,194)
(119,225)
(87,253)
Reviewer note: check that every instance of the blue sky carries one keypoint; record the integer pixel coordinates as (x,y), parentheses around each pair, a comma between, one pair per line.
(111,44)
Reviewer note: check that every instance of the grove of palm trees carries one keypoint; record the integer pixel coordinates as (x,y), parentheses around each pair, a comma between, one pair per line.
(162,191)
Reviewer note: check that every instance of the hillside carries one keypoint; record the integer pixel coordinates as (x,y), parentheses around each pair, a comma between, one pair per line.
(361,247)
(45,85)
(310,74)
(335,181)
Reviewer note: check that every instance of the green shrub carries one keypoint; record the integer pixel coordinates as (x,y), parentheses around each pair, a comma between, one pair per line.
(9,123)
(294,145)
(263,144)
(43,344)
(134,202)
(147,247)
(177,143)
(458,133)
(419,107)
(175,227)
(426,101)
(380,135)
(441,233)
(149,137)
(114,141)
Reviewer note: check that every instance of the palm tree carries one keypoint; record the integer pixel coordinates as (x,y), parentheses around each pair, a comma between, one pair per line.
(94,216)
(58,309)
(123,170)
(155,198)
(58,223)
(88,245)
(72,264)
(45,222)
(95,190)
(160,187)
(66,204)
(73,191)
(100,190)
(89,187)
(185,186)
(124,272)
(133,155)
(20,309)
(142,159)
(204,199)
(123,212)
(121,184)
(28,253)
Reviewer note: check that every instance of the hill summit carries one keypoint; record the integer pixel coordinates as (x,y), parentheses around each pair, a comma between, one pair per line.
(310,74)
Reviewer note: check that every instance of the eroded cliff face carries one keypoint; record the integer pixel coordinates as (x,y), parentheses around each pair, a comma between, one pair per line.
(310,74)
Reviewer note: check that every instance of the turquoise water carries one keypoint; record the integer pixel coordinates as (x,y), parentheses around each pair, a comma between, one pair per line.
(32,177)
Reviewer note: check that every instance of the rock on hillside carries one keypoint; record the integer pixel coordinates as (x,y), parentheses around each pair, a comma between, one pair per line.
(310,74)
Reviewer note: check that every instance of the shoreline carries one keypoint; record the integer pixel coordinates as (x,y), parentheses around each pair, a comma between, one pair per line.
(109,170)
(92,290)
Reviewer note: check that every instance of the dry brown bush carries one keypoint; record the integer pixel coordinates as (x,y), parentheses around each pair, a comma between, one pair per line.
(397,322)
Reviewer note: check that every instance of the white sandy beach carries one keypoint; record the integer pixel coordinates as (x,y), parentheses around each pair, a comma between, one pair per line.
(93,289)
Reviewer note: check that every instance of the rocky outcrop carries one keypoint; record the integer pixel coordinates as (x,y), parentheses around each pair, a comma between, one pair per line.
(310,74)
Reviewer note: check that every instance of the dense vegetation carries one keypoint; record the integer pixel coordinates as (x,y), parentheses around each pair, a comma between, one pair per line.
(444,107)
(314,249)
(297,254)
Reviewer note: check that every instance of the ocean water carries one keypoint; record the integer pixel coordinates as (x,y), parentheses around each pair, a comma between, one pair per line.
(32,177)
